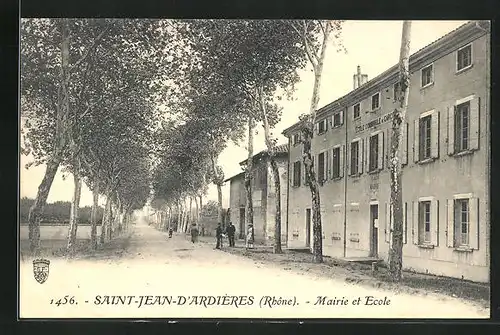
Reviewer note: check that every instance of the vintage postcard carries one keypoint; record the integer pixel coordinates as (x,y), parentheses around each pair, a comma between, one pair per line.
(254,169)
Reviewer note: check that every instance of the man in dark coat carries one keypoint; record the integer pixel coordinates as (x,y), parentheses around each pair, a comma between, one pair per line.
(231,229)
(218,235)
(194,233)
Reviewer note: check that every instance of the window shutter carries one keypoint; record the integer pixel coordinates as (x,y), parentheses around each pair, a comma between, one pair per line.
(303,174)
(435,134)
(361,150)
(316,128)
(314,168)
(387,222)
(367,154)
(474,124)
(388,149)
(435,222)
(341,117)
(414,226)
(404,149)
(380,150)
(450,231)
(451,130)
(405,221)
(416,141)
(474,223)
(341,161)
(327,164)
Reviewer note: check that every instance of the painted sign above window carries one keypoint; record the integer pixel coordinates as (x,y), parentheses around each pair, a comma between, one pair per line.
(381,119)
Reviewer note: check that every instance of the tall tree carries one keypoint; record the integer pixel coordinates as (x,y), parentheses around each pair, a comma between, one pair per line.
(398,122)
(315,36)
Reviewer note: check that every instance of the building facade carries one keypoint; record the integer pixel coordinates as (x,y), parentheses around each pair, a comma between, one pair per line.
(445,156)
(263,197)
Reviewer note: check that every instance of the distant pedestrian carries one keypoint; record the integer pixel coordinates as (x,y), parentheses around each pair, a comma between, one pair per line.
(249,239)
(218,235)
(170,231)
(231,229)
(194,233)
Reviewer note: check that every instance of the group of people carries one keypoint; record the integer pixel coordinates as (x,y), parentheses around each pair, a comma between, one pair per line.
(229,232)
(220,232)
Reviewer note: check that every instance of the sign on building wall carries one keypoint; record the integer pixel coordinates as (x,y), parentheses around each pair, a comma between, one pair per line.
(381,119)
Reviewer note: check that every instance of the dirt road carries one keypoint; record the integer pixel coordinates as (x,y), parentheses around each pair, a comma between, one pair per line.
(194,280)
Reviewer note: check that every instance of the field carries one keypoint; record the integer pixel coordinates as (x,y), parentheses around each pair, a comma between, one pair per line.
(53,239)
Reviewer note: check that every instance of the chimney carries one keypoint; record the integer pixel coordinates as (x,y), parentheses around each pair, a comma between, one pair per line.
(359,78)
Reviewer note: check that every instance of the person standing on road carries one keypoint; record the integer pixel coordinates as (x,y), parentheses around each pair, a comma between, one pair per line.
(249,239)
(170,231)
(194,233)
(231,229)
(218,235)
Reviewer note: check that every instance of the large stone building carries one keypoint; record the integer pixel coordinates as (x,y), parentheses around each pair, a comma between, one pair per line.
(263,196)
(446,159)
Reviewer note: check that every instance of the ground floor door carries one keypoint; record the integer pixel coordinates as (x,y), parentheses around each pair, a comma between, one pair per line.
(242,222)
(308,227)
(374,230)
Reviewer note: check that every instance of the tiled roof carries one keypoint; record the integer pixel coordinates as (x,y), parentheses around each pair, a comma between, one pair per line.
(280,149)
(235,176)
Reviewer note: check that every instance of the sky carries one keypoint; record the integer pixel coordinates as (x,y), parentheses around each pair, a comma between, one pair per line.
(373,45)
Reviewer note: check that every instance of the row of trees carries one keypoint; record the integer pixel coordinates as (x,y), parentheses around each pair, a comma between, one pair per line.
(235,73)
(57,212)
(89,111)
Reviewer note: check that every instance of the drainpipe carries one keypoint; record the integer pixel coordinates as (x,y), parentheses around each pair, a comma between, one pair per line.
(346,175)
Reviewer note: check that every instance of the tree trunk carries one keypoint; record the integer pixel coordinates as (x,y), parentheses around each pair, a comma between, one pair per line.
(105,219)
(179,217)
(75,204)
(93,214)
(202,228)
(307,134)
(219,199)
(36,210)
(277,219)
(196,212)
(276,175)
(249,177)
(398,122)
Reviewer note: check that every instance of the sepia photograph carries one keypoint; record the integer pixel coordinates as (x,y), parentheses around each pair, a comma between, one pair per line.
(254,169)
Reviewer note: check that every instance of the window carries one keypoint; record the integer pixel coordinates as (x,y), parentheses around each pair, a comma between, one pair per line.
(355,161)
(321,167)
(464,57)
(375,101)
(296,174)
(463,222)
(463,126)
(337,119)
(397,88)
(373,159)
(424,219)
(426,74)
(425,222)
(356,111)
(425,138)
(322,126)
(426,145)
(296,139)
(336,162)
(389,228)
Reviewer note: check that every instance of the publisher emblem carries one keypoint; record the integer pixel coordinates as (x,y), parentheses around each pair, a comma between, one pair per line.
(41,270)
